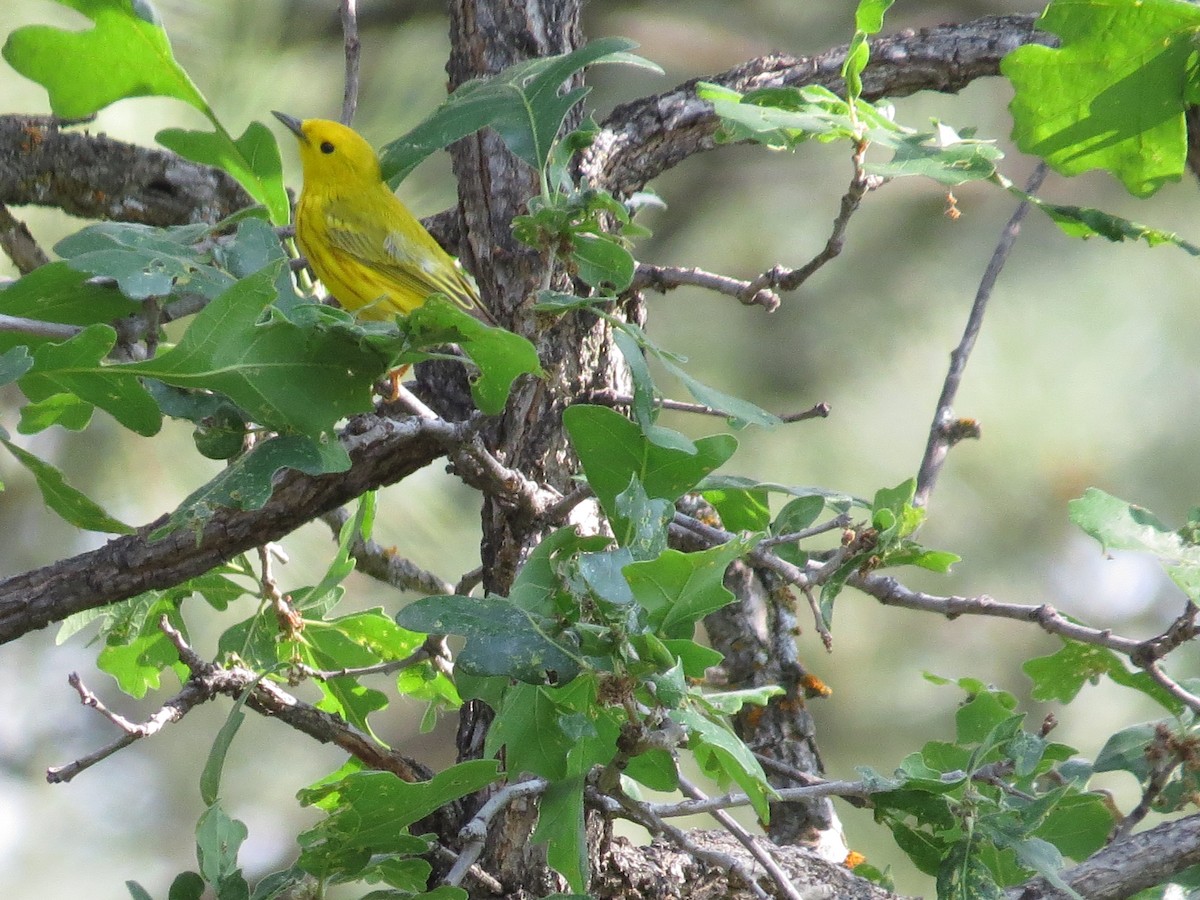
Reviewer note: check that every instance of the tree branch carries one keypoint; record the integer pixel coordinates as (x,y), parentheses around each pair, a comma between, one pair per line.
(95,177)
(382,451)
(642,139)
(1124,868)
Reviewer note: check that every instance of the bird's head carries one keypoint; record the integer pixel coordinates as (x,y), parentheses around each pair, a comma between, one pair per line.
(331,153)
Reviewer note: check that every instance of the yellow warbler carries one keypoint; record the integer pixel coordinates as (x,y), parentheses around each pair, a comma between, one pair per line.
(369,251)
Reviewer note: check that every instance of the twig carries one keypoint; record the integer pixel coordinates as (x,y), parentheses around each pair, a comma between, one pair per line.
(418,656)
(37,328)
(814,607)
(353,46)
(412,403)
(468,582)
(173,710)
(942,432)
(479,468)
(1164,759)
(608,397)
(734,800)
(487,880)
(561,509)
(838,521)
(270,700)
(889,591)
(638,812)
(666,278)
(790,279)
(384,563)
(780,877)
(474,833)
(1172,687)
(19,244)
(1182,630)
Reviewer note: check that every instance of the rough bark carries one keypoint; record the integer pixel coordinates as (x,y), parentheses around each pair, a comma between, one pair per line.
(126,566)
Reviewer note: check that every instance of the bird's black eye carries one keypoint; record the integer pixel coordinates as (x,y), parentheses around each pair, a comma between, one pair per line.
(326,147)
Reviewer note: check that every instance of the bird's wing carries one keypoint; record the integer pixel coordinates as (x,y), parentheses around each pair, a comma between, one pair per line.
(410,261)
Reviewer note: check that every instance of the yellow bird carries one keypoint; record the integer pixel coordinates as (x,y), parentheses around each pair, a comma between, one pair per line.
(369,251)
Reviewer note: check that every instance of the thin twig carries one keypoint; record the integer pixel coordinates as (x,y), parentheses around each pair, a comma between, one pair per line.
(889,591)
(780,877)
(790,279)
(384,563)
(608,397)
(474,833)
(173,710)
(560,510)
(418,656)
(37,328)
(638,812)
(486,879)
(942,432)
(353,46)
(1164,760)
(839,521)
(19,244)
(666,278)
(1172,687)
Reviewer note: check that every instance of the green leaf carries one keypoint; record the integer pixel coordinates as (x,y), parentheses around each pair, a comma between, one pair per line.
(248,482)
(561,827)
(75,507)
(57,293)
(253,159)
(502,638)
(868,16)
(210,777)
(742,510)
(126,54)
(500,355)
(522,103)
(1078,825)
(286,377)
(145,261)
(1085,222)
(741,412)
(730,702)
(74,367)
(613,449)
(1125,751)
(798,514)
(186,886)
(137,892)
(218,838)
(14,362)
(136,651)
(368,812)
(723,757)
(942,155)
(643,521)
(602,262)
(1118,525)
(1113,95)
(678,589)
(655,769)
(65,410)
(1061,675)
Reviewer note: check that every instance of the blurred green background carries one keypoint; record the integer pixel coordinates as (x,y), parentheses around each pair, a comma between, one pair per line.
(1084,375)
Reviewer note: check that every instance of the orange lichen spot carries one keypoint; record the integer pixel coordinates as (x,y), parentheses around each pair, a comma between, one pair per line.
(33,137)
(752,715)
(814,686)
(952,211)
(853,858)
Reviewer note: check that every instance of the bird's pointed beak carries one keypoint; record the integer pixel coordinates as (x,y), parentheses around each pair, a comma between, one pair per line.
(293,125)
